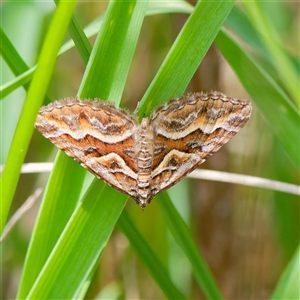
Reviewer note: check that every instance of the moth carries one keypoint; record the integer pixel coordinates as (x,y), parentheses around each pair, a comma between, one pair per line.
(143,159)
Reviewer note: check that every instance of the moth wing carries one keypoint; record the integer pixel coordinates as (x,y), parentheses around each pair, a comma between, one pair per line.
(97,135)
(189,130)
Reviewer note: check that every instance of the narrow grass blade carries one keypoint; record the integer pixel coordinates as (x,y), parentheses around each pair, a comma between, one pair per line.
(238,22)
(79,38)
(10,55)
(21,80)
(270,99)
(35,96)
(91,30)
(109,83)
(59,202)
(288,286)
(182,235)
(186,54)
(269,37)
(80,245)
(147,256)
(85,235)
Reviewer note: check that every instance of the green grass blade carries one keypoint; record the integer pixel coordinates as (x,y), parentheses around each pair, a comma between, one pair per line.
(269,37)
(18,66)
(186,54)
(103,84)
(116,204)
(34,99)
(238,22)
(288,286)
(10,55)
(267,95)
(21,80)
(51,225)
(147,256)
(80,245)
(171,80)
(80,40)
(59,202)
(91,30)
(182,235)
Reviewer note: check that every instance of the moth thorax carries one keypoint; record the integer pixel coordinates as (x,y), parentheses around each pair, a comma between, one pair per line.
(144,155)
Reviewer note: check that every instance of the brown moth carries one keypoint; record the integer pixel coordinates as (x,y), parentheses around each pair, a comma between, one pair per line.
(144,159)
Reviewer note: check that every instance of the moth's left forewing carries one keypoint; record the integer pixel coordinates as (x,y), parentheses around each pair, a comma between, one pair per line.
(97,135)
(189,130)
